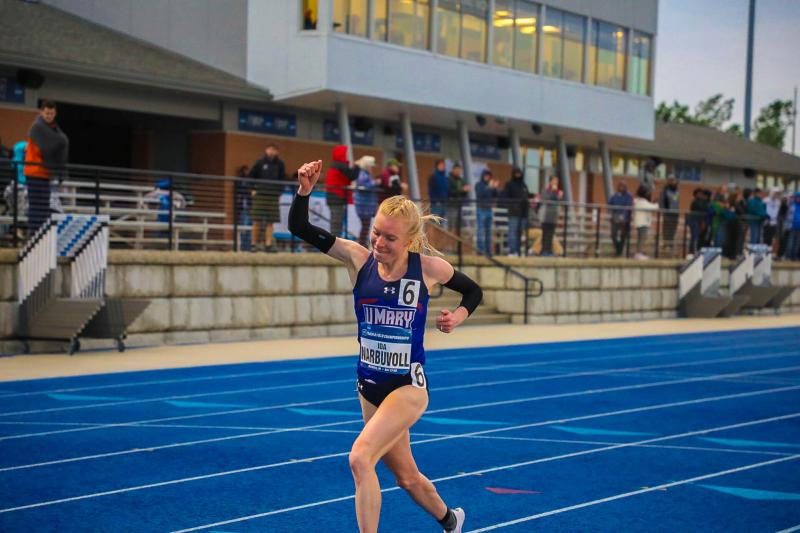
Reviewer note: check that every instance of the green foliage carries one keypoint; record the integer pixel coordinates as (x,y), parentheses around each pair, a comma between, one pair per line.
(772,122)
(769,128)
(712,112)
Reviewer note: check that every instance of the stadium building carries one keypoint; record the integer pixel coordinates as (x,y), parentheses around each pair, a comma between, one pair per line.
(556,87)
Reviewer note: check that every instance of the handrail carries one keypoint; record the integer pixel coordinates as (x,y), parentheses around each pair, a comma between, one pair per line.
(527,281)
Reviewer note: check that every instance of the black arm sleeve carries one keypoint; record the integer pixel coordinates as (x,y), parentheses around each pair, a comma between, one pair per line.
(471,292)
(301,227)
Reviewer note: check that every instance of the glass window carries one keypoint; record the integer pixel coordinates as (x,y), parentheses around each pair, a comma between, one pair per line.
(339,16)
(381,20)
(503,37)
(473,36)
(579,160)
(617,165)
(609,43)
(448,38)
(633,166)
(562,52)
(525,36)
(574,36)
(641,50)
(661,171)
(552,40)
(408,22)
(350,16)
(309,14)
(357,19)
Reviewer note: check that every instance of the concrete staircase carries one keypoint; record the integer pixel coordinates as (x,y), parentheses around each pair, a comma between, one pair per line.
(483,315)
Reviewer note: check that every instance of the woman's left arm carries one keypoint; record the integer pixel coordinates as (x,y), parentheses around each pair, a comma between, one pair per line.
(440,271)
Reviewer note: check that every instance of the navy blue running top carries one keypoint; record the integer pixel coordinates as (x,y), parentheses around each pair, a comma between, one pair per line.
(391,320)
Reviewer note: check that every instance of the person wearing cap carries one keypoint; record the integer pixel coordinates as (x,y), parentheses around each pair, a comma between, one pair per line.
(485,193)
(390,178)
(338,178)
(517,200)
(159,198)
(773,207)
(366,196)
(457,191)
(265,193)
(438,188)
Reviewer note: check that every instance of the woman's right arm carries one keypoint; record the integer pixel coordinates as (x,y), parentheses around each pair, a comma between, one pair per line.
(352,254)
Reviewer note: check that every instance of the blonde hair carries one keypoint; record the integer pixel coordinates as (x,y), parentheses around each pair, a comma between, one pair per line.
(404,209)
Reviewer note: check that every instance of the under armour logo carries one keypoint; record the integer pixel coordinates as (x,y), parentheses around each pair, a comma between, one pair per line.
(389,290)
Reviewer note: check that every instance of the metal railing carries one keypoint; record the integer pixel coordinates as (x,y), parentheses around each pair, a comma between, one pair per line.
(183,211)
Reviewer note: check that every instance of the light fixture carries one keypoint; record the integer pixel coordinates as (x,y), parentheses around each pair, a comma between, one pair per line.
(537,129)
(481,120)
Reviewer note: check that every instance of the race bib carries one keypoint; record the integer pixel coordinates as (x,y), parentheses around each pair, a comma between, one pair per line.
(418,378)
(386,349)
(409,292)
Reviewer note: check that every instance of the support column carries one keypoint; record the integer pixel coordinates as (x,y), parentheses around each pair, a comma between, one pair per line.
(434,25)
(539,30)
(563,165)
(411,157)
(490,34)
(324,16)
(516,149)
(466,156)
(587,55)
(608,182)
(344,129)
(370,19)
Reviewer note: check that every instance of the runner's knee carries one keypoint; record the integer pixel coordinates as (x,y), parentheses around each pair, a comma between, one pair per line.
(410,482)
(360,460)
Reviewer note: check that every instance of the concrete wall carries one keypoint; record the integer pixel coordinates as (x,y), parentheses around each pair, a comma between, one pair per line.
(211,297)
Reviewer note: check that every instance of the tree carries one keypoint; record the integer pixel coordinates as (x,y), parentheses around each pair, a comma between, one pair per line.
(676,112)
(772,122)
(714,111)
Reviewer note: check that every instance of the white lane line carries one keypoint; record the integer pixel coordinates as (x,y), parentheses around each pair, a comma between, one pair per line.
(436,372)
(604,372)
(593,344)
(637,492)
(506,467)
(520,350)
(426,441)
(454,387)
(614,389)
(177,380)
(482,437)
(433,411)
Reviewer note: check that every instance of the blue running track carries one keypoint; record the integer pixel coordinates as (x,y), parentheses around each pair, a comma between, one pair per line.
(696,432)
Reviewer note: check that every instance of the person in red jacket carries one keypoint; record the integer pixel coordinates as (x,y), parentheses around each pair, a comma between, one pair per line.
(338,177)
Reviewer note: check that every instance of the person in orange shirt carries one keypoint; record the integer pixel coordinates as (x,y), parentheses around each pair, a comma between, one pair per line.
(45,157)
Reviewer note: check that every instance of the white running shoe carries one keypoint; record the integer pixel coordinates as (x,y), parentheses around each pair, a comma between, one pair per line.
(460,517)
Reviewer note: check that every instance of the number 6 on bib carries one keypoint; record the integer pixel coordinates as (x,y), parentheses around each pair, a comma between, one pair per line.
(409,292)
(417,376)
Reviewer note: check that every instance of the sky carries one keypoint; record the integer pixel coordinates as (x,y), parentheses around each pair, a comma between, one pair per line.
(701,50)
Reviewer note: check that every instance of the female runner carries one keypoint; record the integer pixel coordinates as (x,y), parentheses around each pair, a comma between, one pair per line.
(391,284)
